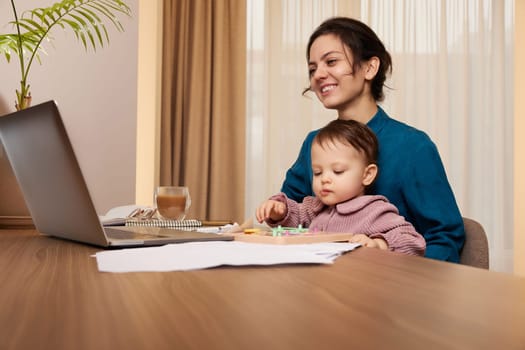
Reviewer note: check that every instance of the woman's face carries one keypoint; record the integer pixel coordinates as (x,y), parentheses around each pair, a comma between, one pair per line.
(332,77)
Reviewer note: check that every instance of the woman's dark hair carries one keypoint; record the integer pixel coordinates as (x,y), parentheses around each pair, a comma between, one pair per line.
(353,133)
(364,44)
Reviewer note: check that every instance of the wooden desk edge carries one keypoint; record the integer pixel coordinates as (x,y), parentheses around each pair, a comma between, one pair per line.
(16,222)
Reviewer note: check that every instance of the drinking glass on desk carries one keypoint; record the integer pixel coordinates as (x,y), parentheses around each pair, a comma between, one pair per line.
(172,202)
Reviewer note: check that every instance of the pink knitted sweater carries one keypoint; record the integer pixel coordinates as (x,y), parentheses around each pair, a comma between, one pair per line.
(373,216)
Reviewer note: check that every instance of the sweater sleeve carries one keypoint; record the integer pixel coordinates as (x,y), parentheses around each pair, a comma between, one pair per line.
(297,213)
(385,222)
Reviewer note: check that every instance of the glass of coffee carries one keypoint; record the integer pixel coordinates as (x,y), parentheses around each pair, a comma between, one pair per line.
(172,202)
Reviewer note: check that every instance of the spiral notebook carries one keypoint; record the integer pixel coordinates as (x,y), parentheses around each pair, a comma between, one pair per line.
(182,224)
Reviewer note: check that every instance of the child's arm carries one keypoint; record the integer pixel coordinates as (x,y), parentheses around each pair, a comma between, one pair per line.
(271,210)
(380,221)
(399,234)
(281,210)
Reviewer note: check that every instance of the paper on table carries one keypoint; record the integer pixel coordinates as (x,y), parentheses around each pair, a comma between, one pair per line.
(201,255)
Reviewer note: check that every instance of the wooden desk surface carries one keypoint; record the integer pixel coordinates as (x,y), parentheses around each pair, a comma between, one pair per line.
(53,297)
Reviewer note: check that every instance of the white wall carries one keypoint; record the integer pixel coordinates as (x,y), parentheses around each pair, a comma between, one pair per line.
(97,95)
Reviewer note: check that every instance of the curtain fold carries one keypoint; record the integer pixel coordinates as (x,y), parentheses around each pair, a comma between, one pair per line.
(203,104)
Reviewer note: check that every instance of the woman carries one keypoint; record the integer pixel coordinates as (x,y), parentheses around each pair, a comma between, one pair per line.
(347,65)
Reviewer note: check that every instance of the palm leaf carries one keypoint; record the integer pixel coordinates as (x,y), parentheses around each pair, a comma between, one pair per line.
(9,45)
(93,19)
(84,17)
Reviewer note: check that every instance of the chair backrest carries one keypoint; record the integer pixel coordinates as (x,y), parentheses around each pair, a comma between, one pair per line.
(475,252)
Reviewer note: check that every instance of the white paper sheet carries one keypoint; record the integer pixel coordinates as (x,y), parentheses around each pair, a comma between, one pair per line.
(201,255)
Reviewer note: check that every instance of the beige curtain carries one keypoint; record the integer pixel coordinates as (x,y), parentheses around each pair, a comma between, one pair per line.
(203,104)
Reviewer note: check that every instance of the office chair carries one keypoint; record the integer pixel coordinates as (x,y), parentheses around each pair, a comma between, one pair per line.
(475,252)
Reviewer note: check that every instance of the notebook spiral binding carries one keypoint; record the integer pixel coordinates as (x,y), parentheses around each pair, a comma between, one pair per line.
(188,223)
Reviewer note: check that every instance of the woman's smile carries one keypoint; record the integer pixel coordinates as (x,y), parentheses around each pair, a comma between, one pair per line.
(326,88)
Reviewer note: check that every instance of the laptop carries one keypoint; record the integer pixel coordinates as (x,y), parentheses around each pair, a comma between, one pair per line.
(46,168)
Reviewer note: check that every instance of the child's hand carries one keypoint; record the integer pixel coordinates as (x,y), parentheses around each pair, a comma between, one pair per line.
(369,242)
(271,209)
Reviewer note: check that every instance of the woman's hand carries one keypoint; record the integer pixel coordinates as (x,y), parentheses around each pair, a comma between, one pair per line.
(369,242)
(272,210)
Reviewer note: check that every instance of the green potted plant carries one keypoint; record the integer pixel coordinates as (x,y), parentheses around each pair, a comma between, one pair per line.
(86,18)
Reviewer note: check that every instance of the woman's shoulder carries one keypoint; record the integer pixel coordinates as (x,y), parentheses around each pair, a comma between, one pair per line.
(404,128)
(311,134)
(307,142)
(399,131)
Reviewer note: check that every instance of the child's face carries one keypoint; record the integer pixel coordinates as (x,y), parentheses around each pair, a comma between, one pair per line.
(340,172)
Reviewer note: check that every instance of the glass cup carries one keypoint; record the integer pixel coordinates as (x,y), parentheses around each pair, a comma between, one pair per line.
(172,202)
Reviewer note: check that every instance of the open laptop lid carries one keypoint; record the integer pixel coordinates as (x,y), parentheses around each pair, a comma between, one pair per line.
(49,175)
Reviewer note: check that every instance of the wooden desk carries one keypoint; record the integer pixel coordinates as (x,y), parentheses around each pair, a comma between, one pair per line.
(53,297)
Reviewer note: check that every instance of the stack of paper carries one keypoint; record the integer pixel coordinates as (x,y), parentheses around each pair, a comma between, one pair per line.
(201,255)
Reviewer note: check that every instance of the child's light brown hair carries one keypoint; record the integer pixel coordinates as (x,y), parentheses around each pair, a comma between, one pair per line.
(352,133)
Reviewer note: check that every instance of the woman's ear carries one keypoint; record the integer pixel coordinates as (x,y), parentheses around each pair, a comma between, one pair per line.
(372,66)
(369,174)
